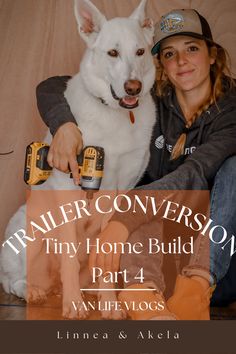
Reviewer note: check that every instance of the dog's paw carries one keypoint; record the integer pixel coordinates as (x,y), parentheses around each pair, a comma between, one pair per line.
(113,314)
(71,313)
(19,288)
(108,301)
(35,295)
(73,309)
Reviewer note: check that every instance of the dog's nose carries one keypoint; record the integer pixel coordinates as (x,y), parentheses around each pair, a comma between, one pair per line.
(133,87)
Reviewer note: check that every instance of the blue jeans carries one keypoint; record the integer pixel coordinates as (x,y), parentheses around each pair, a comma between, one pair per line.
(223,213)
(208,259)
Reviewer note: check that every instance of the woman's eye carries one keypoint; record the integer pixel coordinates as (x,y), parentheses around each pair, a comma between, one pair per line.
(140,52)
(193,48)
(168,55)
(113,53)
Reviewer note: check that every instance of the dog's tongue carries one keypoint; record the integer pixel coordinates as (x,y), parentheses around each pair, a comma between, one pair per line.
(130,101)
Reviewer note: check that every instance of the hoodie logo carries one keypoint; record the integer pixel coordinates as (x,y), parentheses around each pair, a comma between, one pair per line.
(159,142)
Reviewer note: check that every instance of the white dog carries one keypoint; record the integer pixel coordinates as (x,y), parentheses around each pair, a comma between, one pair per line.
(116,75)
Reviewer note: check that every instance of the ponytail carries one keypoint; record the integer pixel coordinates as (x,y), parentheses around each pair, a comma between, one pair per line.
(178,149)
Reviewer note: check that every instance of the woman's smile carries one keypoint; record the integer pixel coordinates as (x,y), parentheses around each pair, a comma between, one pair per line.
(185,73)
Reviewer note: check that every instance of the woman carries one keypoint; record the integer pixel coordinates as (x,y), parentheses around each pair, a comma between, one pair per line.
(194,134)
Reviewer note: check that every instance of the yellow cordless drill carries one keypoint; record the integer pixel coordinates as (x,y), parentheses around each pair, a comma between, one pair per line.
(90,165)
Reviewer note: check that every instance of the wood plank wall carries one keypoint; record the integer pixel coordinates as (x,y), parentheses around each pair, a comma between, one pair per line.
(38,39)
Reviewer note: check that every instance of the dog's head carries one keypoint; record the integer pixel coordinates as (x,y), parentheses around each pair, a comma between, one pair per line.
(118,66)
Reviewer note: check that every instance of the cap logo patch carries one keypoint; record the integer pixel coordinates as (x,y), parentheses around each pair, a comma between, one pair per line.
(172,23)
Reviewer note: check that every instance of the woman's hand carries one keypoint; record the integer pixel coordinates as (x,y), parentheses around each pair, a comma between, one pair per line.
(66,145)
(113,233)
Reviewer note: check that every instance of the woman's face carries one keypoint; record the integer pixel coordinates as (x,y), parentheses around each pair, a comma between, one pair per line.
(186,62)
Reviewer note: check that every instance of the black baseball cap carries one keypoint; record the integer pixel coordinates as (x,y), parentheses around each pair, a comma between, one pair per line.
(181,22)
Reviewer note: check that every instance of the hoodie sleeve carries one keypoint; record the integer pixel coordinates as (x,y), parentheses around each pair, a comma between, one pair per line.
(52,104)
(198,170)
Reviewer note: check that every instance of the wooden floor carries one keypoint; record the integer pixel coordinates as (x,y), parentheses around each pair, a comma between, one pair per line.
(13,308)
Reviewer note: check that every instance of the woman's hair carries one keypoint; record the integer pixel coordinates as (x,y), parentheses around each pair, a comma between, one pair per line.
(219,69)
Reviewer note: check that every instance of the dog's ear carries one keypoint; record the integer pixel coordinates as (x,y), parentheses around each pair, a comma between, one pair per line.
(89,19)
(147,24)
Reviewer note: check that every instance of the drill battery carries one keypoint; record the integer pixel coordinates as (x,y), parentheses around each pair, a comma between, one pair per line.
(37,169)
(90,165)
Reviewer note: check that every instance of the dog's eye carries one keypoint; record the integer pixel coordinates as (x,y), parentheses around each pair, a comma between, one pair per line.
(113,53)
(140,52)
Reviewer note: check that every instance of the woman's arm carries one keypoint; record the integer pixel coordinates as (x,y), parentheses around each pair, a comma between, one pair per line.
(56,114)
(52,104)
